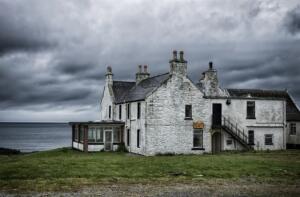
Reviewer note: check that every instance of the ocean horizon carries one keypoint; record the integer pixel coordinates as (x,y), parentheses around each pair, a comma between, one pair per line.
(34,136)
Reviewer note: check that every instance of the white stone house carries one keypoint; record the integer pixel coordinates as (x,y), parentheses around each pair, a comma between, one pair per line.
(169,113)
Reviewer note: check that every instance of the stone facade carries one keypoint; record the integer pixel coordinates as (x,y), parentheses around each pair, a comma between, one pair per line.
(157,120)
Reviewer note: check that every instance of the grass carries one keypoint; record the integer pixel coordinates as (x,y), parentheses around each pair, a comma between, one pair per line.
(66,169)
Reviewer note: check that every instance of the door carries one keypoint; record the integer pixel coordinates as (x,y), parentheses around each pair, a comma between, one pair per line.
(217,115)
(108,140)
(216,142)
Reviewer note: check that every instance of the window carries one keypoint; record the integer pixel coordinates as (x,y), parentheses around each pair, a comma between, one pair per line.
(109,112)
(138,110)
(120,112)
(251,137)
(138,138)
(292,128)
(198,138)
(95,135)
(117,134)
(128,137)
(250,110)
(128,111)
(188,111)
(76,134)
(81,129)
(268,139)
(229,142)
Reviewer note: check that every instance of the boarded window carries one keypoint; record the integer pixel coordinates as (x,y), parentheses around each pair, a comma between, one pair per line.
(128,111)
(251,137)
(128,137)
(120,112)
(188,111)
(292,128)
(268,139)
(138,110)
(109,112)
(250,109)
(117,135)
(138,138)
(198,138)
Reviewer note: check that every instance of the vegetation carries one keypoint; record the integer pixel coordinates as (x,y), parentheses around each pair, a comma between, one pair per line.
(65,169)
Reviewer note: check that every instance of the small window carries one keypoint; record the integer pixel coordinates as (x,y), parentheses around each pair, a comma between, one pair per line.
(109,112)
(138,138)
(229,142)
(138,110)
(128,137)
(128,111)
(268,139)
(188,111)
(120,112)
(99,135)
(250,109)
(198,138)
(251,137)
(292,128)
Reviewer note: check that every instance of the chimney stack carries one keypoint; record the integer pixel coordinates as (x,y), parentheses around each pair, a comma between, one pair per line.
(210,65)
(178,66)
(174,55)
(109,75)
(141,75)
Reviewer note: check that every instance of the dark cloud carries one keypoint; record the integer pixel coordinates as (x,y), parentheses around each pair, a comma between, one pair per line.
(292,21)
(53,55)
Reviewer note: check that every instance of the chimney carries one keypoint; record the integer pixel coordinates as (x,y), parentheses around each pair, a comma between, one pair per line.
(209,81)
(109,75)
(178,66)
(140,75)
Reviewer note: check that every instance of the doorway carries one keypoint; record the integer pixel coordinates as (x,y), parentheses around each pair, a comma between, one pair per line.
(216,115)
(216,142)
(108,140)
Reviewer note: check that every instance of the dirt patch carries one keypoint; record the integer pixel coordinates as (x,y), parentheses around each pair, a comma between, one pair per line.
(210,188)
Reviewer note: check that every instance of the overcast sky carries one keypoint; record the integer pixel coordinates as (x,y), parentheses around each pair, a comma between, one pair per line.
(53,54)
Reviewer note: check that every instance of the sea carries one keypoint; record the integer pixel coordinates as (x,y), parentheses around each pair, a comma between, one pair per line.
(32,137)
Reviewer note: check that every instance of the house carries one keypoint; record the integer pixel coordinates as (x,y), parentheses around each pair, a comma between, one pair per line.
(169,113)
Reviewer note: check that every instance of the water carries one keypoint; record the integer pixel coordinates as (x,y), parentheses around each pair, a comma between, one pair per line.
(29,137)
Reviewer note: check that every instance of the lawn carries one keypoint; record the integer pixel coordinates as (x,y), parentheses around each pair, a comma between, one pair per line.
(66,169)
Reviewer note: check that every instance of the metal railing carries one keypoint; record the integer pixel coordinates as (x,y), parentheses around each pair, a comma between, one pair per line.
(235,129)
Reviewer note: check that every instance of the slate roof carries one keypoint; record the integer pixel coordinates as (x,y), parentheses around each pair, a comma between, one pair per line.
(292,111)
(128,91)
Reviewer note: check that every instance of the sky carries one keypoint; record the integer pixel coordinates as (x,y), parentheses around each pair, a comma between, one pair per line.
(54,54)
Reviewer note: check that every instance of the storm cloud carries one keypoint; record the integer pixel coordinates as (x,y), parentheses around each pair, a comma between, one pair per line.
(53,54)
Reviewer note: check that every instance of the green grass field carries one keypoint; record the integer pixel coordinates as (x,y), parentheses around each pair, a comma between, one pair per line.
(66,169)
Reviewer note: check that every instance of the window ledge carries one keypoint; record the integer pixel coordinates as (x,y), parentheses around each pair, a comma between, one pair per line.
(269,144)
(188,118)
(251,118)
(195,148)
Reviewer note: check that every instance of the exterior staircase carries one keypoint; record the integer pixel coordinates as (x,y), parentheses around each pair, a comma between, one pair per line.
(236,132)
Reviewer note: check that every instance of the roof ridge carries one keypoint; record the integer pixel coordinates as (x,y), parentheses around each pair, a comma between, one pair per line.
(255,89)
(124,81)
(157,75)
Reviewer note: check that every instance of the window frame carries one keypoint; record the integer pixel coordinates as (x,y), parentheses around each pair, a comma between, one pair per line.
(138,138)
(109,111)
(293,129)
(201,137)
(248,114)
(120,112)
(188,116)
(252,142)
(269,136)
(138,115)
(128,111)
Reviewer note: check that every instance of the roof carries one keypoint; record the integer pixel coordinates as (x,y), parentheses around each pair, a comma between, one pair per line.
(292,110)
(120,89)
(125,92)
(103,122)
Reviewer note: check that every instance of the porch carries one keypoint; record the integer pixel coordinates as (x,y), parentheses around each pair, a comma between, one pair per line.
(97,136)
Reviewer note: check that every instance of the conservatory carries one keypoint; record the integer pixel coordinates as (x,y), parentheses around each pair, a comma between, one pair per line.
(97,136)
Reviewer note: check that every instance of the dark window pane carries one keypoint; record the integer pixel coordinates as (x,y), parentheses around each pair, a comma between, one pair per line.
(109,112)
(198,138)
(292,129)
(188,111)
(250,109)
(128,137)
(251,137)
(268,139)
(138,110)
(138,138)
(128,111)
(120,112)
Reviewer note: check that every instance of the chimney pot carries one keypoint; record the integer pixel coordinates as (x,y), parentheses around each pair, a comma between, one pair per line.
(181,56)
(210,65)
(174,55)
(145,68)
